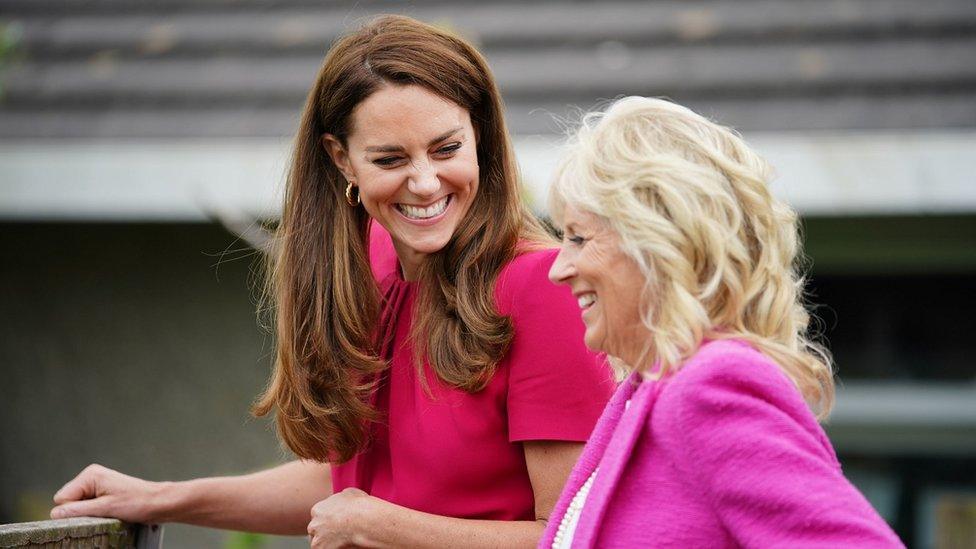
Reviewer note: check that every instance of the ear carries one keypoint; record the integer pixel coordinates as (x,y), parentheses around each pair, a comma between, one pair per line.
(338,154)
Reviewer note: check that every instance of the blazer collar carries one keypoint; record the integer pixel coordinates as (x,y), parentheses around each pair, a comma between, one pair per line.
(627,425)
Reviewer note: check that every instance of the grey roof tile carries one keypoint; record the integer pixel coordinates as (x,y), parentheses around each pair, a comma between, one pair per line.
(242,67)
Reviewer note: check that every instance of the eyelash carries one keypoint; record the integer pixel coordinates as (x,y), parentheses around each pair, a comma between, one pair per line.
(386,161)
(389,161)
(448,149)
(575,240)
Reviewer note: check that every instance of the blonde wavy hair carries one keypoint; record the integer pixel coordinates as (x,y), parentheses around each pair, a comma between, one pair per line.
(691,204)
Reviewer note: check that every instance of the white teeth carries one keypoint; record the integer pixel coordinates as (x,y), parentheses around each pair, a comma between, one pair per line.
(414,212)
(586,300)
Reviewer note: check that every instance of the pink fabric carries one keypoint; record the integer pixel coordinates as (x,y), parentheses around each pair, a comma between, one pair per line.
(458,454)
(724,453)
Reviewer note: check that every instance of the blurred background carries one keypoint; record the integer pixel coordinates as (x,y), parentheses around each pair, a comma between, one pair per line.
(140,141)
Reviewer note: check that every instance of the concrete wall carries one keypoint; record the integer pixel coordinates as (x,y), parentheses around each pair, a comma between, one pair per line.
(134,346)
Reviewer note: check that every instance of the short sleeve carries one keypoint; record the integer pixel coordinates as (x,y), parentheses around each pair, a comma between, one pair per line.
(557,388)
(742,435)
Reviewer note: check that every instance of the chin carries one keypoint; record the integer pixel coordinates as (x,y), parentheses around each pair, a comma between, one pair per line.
(594,343)
(430,245)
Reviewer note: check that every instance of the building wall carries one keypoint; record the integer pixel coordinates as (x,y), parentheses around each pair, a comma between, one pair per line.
(131,345)
(137,346)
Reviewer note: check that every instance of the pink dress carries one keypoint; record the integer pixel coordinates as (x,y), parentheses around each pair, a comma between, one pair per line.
(458,454)
(723,453)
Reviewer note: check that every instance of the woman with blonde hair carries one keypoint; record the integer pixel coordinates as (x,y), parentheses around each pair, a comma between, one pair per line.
(424,362)
(685,267)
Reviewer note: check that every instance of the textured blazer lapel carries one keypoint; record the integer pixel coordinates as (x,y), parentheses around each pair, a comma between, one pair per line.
(592,453)
(615,458)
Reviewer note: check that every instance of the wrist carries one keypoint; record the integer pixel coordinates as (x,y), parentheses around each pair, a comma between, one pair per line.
(370,522)
(165,499)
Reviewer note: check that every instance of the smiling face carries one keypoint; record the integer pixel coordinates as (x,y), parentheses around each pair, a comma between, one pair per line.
(606,282)
(413,156)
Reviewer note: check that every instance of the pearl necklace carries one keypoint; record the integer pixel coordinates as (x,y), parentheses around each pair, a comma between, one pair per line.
(567,526)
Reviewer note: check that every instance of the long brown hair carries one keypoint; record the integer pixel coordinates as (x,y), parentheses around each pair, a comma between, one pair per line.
(326,306)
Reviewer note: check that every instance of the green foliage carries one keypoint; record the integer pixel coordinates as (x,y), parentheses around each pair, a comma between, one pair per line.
(32,505)
(10,36)
(245,540)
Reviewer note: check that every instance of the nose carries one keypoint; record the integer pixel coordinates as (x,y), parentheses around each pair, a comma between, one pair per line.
(423,179)
(562,270)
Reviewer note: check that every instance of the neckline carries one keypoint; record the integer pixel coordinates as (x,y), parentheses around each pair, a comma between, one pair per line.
(395,280)
(398,273)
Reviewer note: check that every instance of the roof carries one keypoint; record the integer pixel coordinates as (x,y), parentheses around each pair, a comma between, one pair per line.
(241,68)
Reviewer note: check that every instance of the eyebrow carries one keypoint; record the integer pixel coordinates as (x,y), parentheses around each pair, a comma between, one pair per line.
(397,148)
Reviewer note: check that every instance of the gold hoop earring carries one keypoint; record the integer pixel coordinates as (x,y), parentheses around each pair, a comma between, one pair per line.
(351,198)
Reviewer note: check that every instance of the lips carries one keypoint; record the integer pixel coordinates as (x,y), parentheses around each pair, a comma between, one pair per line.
(426,212)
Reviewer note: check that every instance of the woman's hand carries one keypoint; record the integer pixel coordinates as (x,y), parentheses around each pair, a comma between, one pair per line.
(344,519)
(101,492)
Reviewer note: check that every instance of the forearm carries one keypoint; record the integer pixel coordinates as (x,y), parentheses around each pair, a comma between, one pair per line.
(274,501)
(402,527)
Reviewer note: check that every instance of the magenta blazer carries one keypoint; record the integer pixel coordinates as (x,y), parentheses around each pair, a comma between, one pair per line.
(723,453)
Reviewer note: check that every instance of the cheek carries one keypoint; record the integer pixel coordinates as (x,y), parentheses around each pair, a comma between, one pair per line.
(593,266)
(630,291)
(462,172)
(379,188)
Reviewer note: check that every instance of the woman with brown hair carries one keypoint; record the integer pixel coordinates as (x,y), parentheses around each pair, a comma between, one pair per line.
(425,365)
